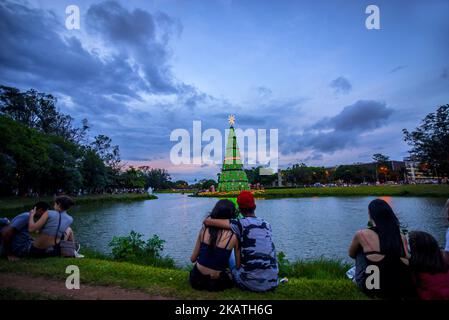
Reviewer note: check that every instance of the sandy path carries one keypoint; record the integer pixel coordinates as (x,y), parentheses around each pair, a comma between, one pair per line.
(57,288)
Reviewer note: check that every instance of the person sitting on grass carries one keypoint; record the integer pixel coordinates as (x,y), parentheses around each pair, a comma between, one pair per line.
(15,236)
(53,226)
(212,252)
(258,270)
(431,272)
(383,248)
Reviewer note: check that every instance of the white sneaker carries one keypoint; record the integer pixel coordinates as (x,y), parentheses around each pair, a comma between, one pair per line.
(283,280)
(77,254)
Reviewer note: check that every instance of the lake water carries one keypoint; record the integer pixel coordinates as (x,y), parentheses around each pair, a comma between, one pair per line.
(302,227)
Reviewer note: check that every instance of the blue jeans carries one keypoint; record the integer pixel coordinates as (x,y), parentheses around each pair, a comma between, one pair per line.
(235,272)
(232,260)
(360,267)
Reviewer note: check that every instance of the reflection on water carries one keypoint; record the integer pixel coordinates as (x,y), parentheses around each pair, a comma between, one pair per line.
(302,227)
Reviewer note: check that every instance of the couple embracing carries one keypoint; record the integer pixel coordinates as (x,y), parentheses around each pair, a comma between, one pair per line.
(51,229)
(234,252)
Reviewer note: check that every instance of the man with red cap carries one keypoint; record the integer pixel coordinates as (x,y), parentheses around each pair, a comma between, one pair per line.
(258,265)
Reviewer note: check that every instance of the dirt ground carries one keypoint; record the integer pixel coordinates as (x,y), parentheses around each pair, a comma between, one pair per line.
(56,288)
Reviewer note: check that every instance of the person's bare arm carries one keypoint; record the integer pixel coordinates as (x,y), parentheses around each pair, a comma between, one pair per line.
(36,226)
(196,250)
(217,223)
(354,247)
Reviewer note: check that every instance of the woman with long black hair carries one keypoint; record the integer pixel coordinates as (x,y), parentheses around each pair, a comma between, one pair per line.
(381,254)
(212,251)
(430,270)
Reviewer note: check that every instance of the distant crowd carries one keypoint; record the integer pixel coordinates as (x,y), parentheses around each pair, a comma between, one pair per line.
(82,192)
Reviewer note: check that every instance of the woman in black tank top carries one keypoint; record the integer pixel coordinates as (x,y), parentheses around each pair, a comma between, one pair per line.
(382,271)
(212,252)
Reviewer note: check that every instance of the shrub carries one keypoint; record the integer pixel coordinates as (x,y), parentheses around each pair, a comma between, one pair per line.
(284,265)
(321,268)
(133,248)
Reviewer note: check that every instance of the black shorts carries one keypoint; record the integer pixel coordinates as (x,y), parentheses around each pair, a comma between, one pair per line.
(44,253)
(201,281)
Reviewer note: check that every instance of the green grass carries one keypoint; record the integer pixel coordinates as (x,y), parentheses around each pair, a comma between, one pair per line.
(384,190)
(19,203)
(322,268)
(310,282)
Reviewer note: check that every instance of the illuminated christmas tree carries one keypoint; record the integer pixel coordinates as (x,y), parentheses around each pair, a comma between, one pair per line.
(232,177)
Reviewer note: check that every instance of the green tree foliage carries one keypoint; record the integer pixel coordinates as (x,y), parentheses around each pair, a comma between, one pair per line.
(379,158)
(207,183)
(94,171)
(255,177)
(354,174)
(38,111)
(156,178)
(133,178)
(430,141)
(303,175)
(41,151)
(25,155)
(181,184)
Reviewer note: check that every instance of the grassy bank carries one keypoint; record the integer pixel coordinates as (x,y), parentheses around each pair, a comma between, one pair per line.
(8,204)
(314,280)
(387,190)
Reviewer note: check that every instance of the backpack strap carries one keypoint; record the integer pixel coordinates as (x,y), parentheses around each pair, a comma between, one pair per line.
(57,230)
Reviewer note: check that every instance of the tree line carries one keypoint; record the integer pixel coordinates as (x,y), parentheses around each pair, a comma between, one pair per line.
(43,152)
(302,175)
(429,144)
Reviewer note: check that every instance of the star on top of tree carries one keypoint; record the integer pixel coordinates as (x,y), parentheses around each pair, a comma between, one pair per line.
(231,119)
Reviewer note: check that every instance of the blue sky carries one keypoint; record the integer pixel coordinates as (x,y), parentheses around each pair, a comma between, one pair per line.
(336,91)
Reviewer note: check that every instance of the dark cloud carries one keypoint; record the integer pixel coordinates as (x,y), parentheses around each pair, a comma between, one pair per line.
(314,157)
(139,35)
(341,85)
(398,68)
(363,115)
(117,73)
(341,131)
(38,52)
